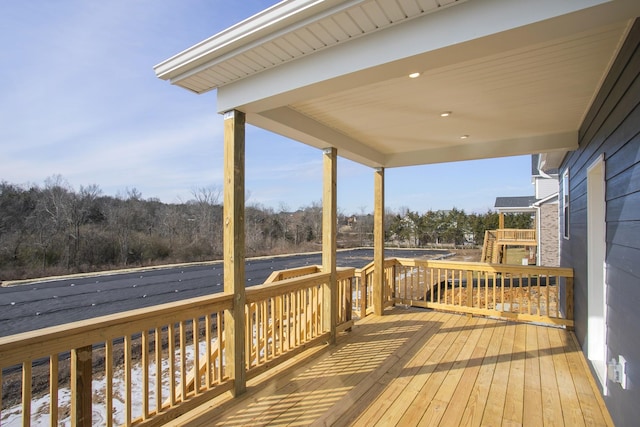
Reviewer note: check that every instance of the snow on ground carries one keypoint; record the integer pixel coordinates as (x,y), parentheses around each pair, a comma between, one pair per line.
(40,406)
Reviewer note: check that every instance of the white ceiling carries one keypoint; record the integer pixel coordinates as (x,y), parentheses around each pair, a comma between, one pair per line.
(518,76)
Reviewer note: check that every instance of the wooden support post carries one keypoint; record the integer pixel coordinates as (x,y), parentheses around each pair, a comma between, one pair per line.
(329,237)
(81,393)
(378,243)
(501,220)
(569,298)
(234,248)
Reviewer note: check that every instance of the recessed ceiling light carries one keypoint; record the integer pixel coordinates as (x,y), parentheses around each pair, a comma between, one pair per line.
(445,114)
(414,75)
(464,137)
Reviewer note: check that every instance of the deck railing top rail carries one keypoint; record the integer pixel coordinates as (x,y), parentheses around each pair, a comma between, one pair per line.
(57,339)
(486,267)
(282,286)
(525,293)
(515,234)
(292,272)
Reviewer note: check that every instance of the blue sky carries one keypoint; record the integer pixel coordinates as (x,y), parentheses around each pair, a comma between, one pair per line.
(80,99)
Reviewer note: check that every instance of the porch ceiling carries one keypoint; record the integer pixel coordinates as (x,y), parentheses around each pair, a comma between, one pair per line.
(517,76)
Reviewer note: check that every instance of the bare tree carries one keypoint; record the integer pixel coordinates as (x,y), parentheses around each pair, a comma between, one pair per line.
(208,217)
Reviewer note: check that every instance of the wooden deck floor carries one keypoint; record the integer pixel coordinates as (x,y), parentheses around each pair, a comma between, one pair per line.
(420,367)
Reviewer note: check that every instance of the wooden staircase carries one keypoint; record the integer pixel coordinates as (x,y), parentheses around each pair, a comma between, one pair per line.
(491,252)
(496,242)
(492,249)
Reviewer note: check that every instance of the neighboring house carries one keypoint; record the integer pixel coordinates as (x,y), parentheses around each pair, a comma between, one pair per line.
(547,231)
(545,183)
(544,205)
(518,205)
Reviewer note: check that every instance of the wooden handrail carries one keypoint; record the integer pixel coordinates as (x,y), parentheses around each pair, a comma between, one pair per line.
(293,272)
(171,335)
(280,283)
(363,290)
(439,284)
(515,234)
(485,267)
(485,246)
(58,339)
(124,331)
(524,293)
(264,291)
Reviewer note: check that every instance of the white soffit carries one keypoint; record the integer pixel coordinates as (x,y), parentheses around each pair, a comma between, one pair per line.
(518,76)
(515,102)
(286,31)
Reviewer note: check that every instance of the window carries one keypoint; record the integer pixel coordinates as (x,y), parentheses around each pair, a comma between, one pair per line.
(565,204)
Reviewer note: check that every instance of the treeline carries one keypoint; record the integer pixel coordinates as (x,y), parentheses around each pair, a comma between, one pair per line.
(452,227)
(55,229)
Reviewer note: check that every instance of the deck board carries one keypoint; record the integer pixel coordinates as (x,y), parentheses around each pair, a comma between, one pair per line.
(514,400)
(589,402)
(359,400)
(532,388)
(430,372)
(449,376)
(408,395)
(499,362)
(551,402)
(386,393)
(570,404)
(421,367)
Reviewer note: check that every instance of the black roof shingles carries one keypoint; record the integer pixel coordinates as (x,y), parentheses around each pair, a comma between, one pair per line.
(515,202)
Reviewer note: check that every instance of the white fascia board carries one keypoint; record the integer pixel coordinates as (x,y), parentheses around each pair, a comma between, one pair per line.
(446,36)
(486,150)
(551,160)
(267,25)
(547,199)
(262,24)
(292,124)
(515,210)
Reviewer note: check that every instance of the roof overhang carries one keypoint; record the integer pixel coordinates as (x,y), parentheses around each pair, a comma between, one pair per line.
(517,76)
(551,160)
(530,209)
(552,198)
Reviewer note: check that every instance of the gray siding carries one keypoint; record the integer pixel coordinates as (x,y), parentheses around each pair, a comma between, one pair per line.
(612,128)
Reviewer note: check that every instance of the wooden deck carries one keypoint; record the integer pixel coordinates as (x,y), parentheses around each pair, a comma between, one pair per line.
(421,367)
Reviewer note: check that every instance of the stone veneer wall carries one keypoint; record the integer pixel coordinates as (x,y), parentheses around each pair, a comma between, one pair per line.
(549,248)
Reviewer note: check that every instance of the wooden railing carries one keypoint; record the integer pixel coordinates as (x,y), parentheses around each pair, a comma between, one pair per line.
(496,242)
(516,235)
(276,276)
(344,312)
(363,287)
(488,247)
(132,353)
(286,316)
(524,293)
(158,362)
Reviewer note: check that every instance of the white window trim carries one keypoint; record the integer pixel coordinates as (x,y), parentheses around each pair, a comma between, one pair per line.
(565,205)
